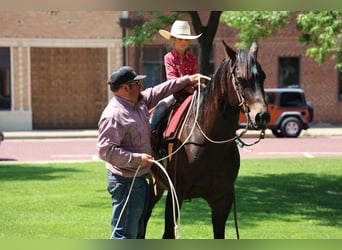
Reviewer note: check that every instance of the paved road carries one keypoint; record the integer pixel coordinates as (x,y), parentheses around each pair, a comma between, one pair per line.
(48,150)
(76,149)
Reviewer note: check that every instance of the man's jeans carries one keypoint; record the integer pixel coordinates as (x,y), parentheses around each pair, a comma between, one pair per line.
(131,224)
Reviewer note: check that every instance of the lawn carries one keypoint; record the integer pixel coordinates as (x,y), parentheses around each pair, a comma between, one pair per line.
(276,199)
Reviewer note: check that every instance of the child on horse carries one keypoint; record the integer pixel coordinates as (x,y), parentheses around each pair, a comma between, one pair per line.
(178,62)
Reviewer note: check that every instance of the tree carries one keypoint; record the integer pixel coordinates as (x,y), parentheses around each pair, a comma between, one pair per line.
(254,25)
(142,34)
(323,29)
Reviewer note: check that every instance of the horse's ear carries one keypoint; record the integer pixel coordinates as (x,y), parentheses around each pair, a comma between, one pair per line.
(254,50)
(230,53)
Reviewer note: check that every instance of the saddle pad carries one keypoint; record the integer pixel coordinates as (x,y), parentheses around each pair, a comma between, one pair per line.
(175,119)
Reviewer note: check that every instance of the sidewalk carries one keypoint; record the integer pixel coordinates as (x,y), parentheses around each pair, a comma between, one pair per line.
(314,131)
(50,134)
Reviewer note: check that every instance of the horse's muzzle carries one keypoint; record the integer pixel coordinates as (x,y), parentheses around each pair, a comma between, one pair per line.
(262,119)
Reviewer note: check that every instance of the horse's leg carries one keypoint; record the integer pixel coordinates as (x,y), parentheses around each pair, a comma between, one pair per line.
(169,226)
(220,209)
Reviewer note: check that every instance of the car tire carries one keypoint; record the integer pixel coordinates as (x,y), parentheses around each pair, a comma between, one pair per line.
(291,127)
(277,133)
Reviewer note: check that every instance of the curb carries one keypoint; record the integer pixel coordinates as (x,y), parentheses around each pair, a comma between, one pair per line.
(51,134)
(93,134)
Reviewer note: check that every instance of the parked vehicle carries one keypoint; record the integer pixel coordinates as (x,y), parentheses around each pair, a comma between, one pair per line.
(290,112)
(1,137)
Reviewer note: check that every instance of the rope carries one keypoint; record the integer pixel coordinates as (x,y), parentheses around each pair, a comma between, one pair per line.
(235,217)
(175,203)
(196,117)
(124,206)
(174,199)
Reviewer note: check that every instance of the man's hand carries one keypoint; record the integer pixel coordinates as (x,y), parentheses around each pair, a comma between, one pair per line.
(146,160)
(196,77)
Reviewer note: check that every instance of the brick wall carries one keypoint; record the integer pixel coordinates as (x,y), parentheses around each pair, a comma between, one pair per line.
(65,24)
(59,66)
(68,87)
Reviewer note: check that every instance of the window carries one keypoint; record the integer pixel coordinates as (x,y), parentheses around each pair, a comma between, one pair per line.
(340,86)
(288,71)
(270,98)
(153,64)
(291,100)
(5,81)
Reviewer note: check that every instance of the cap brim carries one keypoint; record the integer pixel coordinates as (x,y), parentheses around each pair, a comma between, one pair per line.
(139,77)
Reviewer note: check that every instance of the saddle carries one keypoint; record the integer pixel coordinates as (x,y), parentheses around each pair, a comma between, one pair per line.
(163,136)
(168,127)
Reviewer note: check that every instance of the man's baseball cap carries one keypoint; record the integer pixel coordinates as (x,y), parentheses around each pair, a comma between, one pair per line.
(122,75)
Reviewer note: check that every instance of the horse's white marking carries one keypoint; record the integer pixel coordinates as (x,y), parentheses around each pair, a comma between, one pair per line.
(255,70)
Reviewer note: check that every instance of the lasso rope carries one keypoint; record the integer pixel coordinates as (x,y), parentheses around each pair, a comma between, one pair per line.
(175,203)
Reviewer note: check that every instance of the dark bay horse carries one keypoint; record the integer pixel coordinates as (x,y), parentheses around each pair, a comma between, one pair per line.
(203,166)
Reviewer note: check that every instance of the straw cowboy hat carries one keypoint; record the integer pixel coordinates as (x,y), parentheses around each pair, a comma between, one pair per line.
(180,29)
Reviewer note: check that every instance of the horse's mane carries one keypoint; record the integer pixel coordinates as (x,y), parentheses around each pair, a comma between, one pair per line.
(217,87)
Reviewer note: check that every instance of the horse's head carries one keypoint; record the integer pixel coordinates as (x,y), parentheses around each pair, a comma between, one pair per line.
(248,78)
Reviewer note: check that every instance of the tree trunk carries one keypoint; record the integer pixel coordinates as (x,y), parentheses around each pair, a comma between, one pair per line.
(207,38)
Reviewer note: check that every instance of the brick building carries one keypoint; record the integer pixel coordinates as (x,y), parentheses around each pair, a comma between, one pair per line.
(54,66)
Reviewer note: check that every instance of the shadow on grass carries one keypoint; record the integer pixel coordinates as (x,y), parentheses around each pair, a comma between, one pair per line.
(280,198)
(277,197)
(27,172)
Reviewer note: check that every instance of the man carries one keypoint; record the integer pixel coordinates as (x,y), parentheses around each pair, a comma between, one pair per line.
(124,144)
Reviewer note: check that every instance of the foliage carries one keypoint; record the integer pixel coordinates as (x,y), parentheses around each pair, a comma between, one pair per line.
(145,32)
(254,25)
(323,29)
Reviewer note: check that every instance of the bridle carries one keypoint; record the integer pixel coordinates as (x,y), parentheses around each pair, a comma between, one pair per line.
(245,109)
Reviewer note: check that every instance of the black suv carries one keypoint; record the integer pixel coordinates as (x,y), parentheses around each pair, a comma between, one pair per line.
(290,113)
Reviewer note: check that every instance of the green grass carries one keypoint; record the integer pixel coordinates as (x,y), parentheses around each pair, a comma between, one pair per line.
(276,199)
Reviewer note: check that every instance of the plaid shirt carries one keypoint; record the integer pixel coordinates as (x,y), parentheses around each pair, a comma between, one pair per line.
(177,67)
